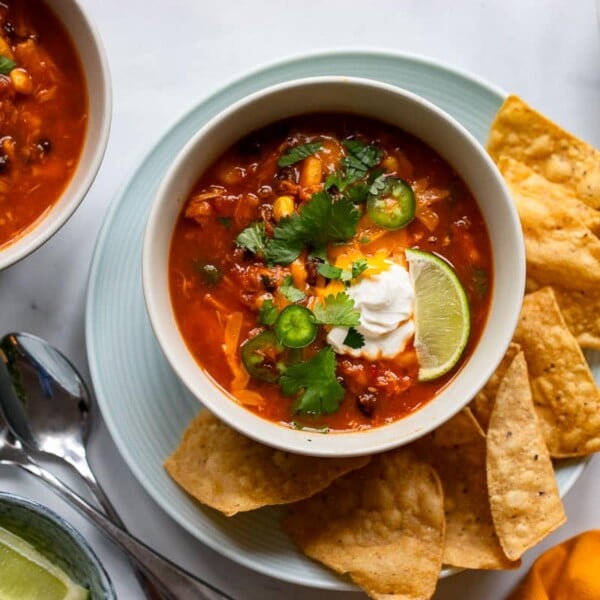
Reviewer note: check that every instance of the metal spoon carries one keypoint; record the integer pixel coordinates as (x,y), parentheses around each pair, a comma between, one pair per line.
(174,582)
(51,412)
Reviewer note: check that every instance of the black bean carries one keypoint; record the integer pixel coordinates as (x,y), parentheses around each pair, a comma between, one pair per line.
(367,403)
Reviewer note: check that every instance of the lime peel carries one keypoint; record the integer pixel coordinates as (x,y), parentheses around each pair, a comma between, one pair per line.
(26,574)
(442,315)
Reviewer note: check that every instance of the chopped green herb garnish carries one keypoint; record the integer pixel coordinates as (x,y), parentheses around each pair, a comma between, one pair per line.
(225,221)
(364,240)
(322,220)
(480,281)
(211,274)
(337,310)
(293,294)
(253,238)
(6,65)
(354,339)
(330,271)
(267,315)
(358,266)
(378,185)
(368,155)
(315,381)
(298,153)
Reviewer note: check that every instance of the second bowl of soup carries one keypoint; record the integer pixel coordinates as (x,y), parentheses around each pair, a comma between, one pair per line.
(333,266)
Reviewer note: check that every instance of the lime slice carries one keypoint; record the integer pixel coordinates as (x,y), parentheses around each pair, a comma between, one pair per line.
(442,316)
(25,574)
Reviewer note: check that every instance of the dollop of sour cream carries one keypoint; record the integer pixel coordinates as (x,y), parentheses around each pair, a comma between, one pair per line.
(386,303)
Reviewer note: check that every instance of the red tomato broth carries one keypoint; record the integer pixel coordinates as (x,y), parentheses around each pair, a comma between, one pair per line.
(246,180)
(42,127)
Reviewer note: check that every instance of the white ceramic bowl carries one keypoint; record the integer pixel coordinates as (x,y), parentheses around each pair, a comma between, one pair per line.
(397,107)
(95,65)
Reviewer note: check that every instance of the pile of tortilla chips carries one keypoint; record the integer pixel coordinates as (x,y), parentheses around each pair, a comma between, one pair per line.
(480,490)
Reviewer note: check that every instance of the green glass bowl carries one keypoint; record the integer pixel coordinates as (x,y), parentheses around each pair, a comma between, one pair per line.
(58,541)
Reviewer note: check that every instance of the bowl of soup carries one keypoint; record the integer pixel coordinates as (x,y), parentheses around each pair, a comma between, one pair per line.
(333,266)
(55,115)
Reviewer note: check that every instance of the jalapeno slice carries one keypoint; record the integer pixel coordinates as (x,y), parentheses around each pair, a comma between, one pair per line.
(295,326)
(261,356)
(393,207)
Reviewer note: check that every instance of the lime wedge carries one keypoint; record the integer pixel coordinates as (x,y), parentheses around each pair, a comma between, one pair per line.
(442,316)
(25,574)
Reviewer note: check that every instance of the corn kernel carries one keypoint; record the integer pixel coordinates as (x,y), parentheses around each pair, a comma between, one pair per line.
(21,81)
(390,164)
(312,172)
(283,207)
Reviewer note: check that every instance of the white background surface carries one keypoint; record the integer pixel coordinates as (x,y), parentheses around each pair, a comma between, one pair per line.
(164,57)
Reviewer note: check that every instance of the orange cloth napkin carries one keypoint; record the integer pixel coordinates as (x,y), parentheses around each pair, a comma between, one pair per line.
(569,571)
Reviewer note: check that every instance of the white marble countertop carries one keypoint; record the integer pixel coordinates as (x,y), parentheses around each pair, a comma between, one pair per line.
(164,57)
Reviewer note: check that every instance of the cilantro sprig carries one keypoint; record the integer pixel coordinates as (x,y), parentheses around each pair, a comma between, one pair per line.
(254,238)
(322,220)
(353,179)
(298,153)
(315,384)
(268,313)
(337,310)
(330,271)
(293,294)
(354,339)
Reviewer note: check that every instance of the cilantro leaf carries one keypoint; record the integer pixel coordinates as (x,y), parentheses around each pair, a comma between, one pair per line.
(298,153)
(368,155)
(321,220)
(329,271)
(358,266)
(293,294)
(358,192)
(225,221)
(253,238)
(6,65)
(326,220)
(288,240)
(355,169)
(268,313)
(315,381)
(378,185)
(337,310)
(354,339)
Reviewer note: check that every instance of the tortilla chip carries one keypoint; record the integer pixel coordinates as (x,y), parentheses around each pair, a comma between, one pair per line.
(565,395)
(580,310)
(559,248)
(525,183)
(483,403)
(471,539)
(227,471)
(462,428)
(524,496)
(522,133)
(383,525)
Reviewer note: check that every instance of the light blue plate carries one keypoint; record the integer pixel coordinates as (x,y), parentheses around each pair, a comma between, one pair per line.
(144,405)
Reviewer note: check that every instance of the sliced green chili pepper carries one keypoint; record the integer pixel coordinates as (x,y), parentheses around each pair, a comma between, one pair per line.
(393,206)
(261,356)
(295,327)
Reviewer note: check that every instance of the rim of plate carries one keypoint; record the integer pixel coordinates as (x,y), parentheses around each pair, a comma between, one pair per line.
(575,466)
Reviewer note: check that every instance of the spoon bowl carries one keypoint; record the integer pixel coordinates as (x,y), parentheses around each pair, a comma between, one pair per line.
(50,409)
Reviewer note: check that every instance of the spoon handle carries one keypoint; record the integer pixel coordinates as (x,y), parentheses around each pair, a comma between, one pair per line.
(177,583)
